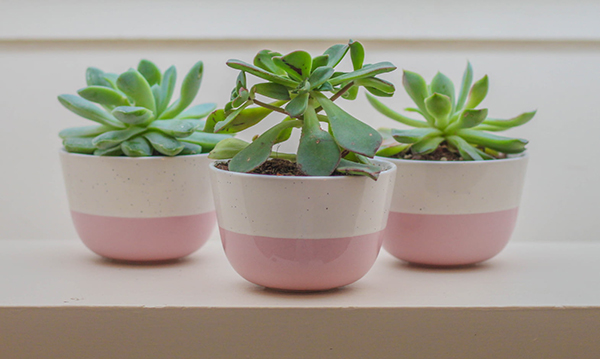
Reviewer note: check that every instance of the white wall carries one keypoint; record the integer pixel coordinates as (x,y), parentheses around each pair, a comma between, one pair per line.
(538,54)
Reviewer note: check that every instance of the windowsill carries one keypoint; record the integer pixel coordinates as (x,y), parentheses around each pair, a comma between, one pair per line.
(535,288)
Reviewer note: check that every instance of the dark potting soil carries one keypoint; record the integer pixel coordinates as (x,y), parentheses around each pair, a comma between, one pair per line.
(442,153)
(273,167)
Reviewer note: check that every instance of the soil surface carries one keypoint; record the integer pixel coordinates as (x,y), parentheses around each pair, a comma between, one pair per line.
(273,167)
(442,153)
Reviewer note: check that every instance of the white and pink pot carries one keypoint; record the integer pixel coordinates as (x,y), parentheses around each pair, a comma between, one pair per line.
(140,209)
(302,233)
(454,213)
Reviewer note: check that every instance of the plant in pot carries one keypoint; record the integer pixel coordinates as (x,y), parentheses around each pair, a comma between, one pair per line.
(321,227)
(459,185)
(137,181)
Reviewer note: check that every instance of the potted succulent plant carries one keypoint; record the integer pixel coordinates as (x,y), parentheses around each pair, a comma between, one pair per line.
(137,182)
(321,227)
(459,185)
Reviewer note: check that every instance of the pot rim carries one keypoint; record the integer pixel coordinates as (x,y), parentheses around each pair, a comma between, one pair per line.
(127,158)
(391,167)
(515,157)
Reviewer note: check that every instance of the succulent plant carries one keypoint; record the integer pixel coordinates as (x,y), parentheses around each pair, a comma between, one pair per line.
(136,118)
(449,120)
(296,84)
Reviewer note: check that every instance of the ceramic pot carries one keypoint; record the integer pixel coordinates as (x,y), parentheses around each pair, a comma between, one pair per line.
(140,209)
(302,233)
(454,213)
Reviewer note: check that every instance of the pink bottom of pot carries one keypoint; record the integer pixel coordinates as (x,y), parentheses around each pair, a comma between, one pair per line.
(144,239)
(448,240)
(301,264)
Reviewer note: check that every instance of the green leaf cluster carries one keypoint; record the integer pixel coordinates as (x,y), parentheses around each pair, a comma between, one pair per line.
(295,86)
(135,115)
(449,118)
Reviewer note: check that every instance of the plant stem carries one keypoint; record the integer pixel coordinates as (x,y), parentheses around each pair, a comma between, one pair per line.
(270,107)
(337,95)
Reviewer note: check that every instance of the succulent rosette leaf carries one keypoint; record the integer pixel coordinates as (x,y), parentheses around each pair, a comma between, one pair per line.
(135,114)
(295,86)
(448,119)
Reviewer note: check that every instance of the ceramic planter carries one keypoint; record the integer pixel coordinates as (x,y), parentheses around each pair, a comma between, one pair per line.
(140,209)
(454,213)
(302,233)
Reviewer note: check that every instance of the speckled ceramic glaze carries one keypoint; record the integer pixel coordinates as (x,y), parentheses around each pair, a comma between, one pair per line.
(453,213)
(140,209)
(302,233)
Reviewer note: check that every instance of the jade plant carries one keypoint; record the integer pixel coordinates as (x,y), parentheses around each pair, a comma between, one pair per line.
(295,88)
(135,115)
(449,120)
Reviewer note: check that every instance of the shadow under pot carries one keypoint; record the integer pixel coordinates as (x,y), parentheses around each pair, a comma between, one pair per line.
(302,233)
(454,213)
(140,209)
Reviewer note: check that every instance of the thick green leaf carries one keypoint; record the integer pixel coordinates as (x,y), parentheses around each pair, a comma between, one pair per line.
(378,93)
(426,145)
(150,72)
(114,138)
(285,134)
(230,117)
(318,153)
(468,118)
(167,87)
(349,132)
(298,105)
(386,111)
(319,61)
(415,135)
(79,145)
(439,106)
(190,149)
(227,148)
(132,115)
(466,85)
(189,90)
(513,122)
(164,144)
(135,86)
(443,85)
(113,152)
(467,151)
(366,71)
(391,151)
(248,117)
(272,90)
(176,128)
(136,147)
(336,53)
(240,82)
(264,60)
(104,96)
(478,92)
(208,141)
(351,94)
(85,131)
(357,54)
(359,169)
(197,112)
(95,77)
(87,109)
(495,142)
(296,64)
(112,79)
(259,150)
(320,76)
(416,87)
(256,71)
(378,84)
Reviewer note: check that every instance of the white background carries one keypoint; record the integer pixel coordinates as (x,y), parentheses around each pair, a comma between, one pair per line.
(541,55)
